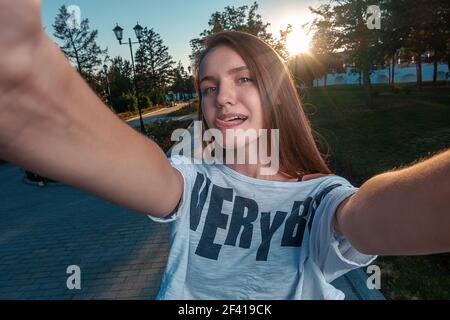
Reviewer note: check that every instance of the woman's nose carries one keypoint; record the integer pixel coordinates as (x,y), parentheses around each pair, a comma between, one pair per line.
(226,95)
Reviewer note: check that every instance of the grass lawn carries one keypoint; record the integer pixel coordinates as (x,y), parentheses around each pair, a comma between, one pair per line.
(398,130)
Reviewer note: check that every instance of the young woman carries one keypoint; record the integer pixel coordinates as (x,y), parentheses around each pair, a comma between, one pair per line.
(236,233)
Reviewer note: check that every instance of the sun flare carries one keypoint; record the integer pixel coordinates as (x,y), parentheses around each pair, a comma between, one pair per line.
(298,42)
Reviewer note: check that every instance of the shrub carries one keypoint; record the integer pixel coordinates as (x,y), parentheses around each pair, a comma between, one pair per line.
(145,102)
(125,102)
(161,131)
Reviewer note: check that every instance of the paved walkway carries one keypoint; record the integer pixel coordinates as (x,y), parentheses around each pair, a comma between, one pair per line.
(121,253)
(158,115)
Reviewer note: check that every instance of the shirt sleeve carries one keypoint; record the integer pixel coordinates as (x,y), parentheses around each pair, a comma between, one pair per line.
(186,168)
(331,251)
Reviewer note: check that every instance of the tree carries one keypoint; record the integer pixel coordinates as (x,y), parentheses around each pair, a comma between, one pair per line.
(189,86)
(120,76)
(154,66)
(180,77)
(347,18)
(394,31)
(409,28)
(423,25)
(357,39)
(418,34)
(323,43)
(439,32)
(304,69)
(78,43)
(243,19)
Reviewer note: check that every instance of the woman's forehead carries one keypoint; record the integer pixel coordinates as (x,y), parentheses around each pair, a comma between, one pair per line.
(220,58)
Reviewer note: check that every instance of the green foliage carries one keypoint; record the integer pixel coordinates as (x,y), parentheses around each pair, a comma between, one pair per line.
(182,83)
(78,44)
(408,28)
(120,76)
(305,68)
(125,102)
(145,102)
(157,97)
(161,132)
(243,18)
(154,66)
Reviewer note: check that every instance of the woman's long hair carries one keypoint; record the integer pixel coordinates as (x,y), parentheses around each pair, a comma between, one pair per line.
(282,108)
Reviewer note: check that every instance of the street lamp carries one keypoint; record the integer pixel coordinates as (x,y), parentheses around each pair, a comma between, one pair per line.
(105,69)
(138,31)
(118,31)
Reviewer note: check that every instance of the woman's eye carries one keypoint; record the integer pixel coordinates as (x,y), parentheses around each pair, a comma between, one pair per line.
(245,79)
(208,90)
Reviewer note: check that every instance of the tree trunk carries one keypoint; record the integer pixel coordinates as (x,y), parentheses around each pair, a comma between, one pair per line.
(325,80)
(435,68)
(393,70)
(80,69)
(419,72)
(448,63)
(367,87)
(389,74)
(365,68)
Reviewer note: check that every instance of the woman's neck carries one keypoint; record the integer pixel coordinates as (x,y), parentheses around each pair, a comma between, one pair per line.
(254,171)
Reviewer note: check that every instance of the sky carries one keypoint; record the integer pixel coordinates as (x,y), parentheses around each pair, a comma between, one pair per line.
(176,21)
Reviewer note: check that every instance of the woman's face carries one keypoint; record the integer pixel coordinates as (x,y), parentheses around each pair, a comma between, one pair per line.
(230,96)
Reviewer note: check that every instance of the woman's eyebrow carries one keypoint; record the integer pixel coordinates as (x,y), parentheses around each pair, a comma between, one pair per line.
(231,71)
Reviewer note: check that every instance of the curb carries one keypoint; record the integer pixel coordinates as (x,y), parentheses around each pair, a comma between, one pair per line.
(358,280)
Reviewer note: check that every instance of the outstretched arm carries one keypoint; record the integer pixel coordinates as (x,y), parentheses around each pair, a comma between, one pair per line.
(52,123)
(404,212)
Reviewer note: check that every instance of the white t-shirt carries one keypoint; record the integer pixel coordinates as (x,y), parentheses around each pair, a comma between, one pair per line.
(236,237)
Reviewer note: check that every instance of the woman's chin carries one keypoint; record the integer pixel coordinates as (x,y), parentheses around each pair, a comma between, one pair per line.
(237,143)
(234,138)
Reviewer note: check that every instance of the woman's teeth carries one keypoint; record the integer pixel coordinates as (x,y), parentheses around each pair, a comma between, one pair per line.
(236,118)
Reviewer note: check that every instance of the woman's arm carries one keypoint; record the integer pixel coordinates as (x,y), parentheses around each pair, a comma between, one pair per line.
(404,212)
(52,123)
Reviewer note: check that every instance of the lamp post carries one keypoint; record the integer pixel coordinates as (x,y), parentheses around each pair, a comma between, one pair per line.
(189,93)
(105,69)
(118,31)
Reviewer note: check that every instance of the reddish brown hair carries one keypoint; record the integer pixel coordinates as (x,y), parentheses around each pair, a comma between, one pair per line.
(282,108)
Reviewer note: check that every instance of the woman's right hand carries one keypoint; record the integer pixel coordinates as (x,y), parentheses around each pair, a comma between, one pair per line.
(52,123)
(21,34)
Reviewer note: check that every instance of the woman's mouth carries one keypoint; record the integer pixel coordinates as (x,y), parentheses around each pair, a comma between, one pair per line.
(230,120)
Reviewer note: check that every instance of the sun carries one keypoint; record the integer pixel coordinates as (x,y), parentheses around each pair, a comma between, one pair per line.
(298,42)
